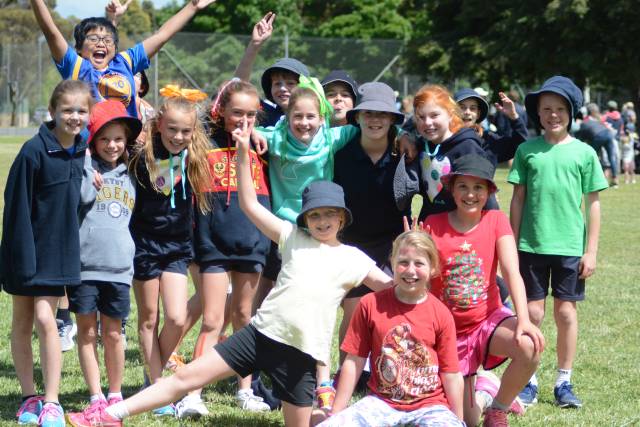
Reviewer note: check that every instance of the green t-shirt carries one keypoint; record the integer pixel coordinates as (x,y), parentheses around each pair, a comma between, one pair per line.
(556,178)
(294,165)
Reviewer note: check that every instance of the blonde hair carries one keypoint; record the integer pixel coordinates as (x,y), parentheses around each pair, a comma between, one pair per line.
(440,96)
(421,241)
(198,170)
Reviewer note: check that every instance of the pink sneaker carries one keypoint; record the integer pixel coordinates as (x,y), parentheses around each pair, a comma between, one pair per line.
(495,418)
(517,407)
(89,417)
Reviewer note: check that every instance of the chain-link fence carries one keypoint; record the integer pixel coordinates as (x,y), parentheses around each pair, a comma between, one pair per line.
(200,60)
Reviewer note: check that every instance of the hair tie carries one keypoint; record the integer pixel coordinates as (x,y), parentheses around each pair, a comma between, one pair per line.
(174,91)
(216,104)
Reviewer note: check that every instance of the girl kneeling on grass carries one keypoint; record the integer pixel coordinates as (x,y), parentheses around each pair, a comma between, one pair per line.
(471,241)
(412,340)
(293,328)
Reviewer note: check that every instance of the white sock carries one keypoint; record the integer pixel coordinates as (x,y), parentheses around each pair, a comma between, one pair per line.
(245,392)
(119,410)
(96,397)
(113,395)
(483,399)
(564,375)
(534,380)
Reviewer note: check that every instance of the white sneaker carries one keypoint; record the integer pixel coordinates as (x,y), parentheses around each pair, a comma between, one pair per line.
(250,402)
(66,334)
(191,406)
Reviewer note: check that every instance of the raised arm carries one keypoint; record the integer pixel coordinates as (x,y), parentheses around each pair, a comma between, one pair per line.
(155,42)
(515,212)
(267,222)
(56,41)
(115,10)
(261,33)
(588,261)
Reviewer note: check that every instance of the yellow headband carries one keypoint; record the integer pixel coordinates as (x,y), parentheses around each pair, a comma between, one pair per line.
(174,91)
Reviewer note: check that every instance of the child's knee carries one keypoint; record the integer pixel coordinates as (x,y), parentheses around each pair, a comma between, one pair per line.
(536,313)
(566,314)
(112,337)
(527,352)
(175,320)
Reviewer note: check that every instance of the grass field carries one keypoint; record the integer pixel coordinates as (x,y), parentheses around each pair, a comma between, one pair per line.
(606,373)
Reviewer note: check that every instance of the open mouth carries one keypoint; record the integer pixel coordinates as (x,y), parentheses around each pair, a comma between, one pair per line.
(99,55)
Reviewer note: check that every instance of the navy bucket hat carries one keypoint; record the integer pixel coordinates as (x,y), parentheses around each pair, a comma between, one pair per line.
(467,93)
(343,77)
(284,64)
(475,165)
(376,96)
(561,86)
(322,194)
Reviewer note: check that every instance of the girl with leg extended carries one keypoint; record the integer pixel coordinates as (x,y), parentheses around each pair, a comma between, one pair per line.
(40,250)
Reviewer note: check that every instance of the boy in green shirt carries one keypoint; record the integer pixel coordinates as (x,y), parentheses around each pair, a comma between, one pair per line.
(551,174)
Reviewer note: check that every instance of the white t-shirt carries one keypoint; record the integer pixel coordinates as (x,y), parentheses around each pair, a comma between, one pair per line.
(300,310)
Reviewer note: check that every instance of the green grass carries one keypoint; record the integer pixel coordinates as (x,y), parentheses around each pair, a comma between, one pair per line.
(606,374)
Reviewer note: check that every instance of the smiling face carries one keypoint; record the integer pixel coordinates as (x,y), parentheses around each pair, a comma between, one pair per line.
(71,115)
(325,223)
(110,143)
(339,96)
(554,114)
(432,122)
(282,83)
(412,272)
(98,47)
(470,111)
(240,108)
(470,194)
(304,118)
(374,124)
(176,128)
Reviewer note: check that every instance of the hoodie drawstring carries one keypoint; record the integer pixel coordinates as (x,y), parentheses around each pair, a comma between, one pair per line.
(228,169)
(183,155)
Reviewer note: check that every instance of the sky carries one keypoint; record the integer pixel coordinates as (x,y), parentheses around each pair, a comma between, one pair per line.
(86,8)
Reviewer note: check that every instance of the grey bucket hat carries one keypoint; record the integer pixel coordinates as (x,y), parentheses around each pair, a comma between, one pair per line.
(376,96)
(322,194)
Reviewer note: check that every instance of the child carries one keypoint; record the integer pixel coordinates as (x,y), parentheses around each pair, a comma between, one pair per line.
(340,90)
(95,60)
(292,329)
(628,155)
(412,340)
(40,251)
(228,247)
(551,173)
(170,168)
(471,241)
(106,253)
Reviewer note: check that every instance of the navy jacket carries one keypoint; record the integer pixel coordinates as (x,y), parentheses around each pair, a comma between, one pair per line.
(226,233)
(40,239)
(502,148)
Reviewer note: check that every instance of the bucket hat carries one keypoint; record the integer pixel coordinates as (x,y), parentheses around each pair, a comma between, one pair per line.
(286,64)
(343,77)
(110,111)
(376,96)
(467,93)
(561,86)
(474,165)
(322,194)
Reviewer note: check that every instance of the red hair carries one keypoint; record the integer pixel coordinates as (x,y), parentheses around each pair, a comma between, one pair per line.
(440,96)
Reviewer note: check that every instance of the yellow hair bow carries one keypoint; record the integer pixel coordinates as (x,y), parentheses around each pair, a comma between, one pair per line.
(174,91)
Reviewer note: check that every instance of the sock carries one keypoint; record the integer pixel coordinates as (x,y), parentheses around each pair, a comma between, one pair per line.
(24,398)
(327,383)
(64,315)
(564,375)
(500,406)
(245,391)
(483,399)
(534,380)
(114,395)
(119,410)
(96,397)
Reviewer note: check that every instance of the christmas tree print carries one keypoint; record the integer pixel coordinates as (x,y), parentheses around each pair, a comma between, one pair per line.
(464,285)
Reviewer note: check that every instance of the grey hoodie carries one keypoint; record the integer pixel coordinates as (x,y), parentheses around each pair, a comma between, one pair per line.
(106,246)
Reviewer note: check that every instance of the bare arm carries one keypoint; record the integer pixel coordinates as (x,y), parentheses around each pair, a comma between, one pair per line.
(115,10)
(57,44)
(261,33)
(377,280)
(267,222)
(155,42)
(515,212)
(453,385)
(349,374)
(588,261)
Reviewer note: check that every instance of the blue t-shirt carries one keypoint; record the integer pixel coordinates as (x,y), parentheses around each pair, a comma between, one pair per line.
(116,81)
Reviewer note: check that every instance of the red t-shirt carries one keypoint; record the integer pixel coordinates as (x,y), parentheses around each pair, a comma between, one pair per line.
(410,345)
(468,265)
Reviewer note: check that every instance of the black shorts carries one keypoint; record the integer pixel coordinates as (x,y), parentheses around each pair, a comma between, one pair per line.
(292,372)
(563,272)
(109,298)
(154,256)
(273,263)
(224,266)
(34,290)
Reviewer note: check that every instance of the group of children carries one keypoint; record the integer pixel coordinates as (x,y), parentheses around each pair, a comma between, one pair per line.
(299,217)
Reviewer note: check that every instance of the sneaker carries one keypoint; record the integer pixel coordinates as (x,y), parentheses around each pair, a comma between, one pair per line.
(517,407)
(30,410)
(529,394)
(249,402)
(52,415)
(66,332)
(105,420)
(175,362)
(260,390)
(90,416)
(191,406)
(165,411)
(325,395)
(494,417)
(565,397)
(114,400)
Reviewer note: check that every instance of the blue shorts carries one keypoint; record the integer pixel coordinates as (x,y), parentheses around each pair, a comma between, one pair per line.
(562,272)
(35,290)
(109,298)
(154,256)
(273,263)
(224,266)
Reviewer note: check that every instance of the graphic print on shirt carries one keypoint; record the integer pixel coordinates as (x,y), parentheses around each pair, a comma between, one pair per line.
(113,199)
(405,367)
(433,169)
(114,85)
(223,162)
(464,284)
(163,181)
